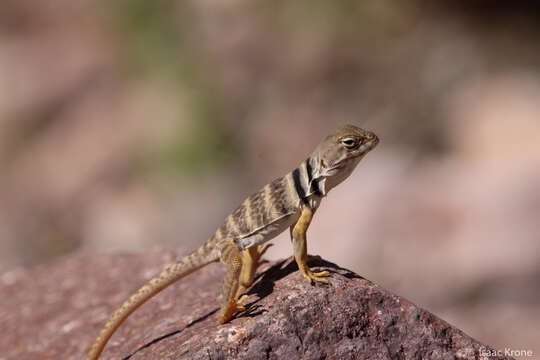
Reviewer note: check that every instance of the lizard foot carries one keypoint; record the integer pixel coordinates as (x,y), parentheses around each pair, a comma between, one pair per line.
(235,306)
(316,276)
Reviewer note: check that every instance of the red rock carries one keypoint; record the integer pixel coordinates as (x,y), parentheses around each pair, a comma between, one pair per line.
(56,310)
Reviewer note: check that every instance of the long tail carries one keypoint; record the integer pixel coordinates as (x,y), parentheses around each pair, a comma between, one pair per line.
(184,267)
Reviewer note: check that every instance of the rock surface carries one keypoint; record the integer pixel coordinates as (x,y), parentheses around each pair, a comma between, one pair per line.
(56,310)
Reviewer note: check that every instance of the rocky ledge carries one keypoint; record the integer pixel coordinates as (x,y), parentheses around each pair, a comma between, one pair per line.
(55,311)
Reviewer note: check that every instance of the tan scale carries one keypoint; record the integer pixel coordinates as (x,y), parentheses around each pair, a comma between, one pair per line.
(287,202)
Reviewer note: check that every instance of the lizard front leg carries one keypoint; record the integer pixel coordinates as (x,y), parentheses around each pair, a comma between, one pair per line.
(298,237)
(230,303)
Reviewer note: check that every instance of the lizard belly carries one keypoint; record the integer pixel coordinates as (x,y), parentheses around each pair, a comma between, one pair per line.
(268,232)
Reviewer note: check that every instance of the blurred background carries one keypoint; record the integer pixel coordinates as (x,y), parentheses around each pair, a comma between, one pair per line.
(127,125)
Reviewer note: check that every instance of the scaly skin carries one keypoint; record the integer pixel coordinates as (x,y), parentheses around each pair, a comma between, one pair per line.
(287,202)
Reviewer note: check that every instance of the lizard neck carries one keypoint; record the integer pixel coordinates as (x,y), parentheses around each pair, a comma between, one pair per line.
(328,178)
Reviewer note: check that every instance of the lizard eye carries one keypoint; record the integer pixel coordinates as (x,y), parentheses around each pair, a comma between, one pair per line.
(350,143)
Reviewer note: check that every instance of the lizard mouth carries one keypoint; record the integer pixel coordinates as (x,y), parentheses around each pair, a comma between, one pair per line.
(370,144)
(334,170)
(338,167)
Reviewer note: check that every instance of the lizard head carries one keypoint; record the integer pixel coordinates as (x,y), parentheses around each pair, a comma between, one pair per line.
(338,154)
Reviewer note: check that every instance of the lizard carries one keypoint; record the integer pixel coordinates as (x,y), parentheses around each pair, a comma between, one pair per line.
(287,202)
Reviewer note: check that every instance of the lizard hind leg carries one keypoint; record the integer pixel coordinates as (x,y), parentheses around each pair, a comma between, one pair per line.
(230,303)
(251,259)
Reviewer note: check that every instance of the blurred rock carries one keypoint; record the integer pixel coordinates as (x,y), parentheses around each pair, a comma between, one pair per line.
(101,106)
(54,312)
(494,120)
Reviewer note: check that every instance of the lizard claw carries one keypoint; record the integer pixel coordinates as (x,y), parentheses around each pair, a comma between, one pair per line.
(238,304)
(316,276)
